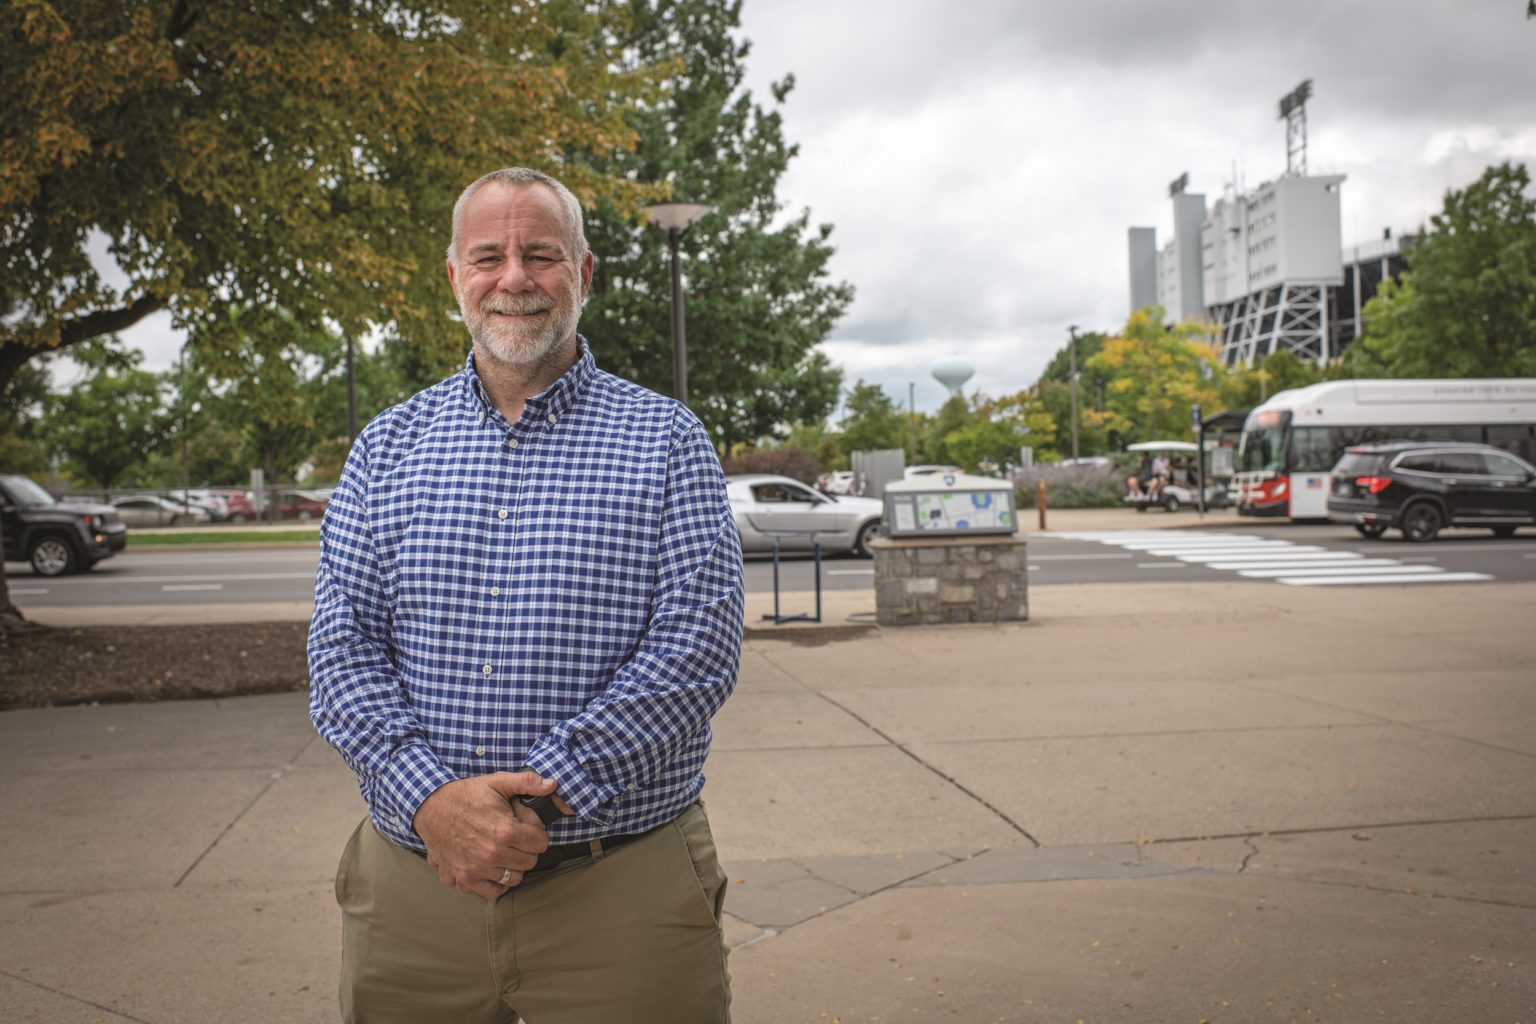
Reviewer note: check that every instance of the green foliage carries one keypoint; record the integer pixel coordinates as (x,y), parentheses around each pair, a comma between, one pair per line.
(303,155)
(110,421)
(822,444)
(22,449)
(1155,375)
(263,360)
(757,294)
(1466,307)
(872,420)
(1245,387)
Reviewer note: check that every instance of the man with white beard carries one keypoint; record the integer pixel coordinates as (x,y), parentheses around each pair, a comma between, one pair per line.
(528,607)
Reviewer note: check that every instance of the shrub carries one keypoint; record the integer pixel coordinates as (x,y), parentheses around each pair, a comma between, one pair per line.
(1070,486)
(790,462)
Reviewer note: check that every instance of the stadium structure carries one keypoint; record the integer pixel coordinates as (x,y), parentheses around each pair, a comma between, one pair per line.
(1265,269)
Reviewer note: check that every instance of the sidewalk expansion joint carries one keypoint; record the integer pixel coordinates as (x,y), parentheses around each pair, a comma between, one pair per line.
(1390,891)
(218,839)
(72,998)
(996,811)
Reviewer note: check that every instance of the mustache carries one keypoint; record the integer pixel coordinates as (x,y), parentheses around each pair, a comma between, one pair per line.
(515,305)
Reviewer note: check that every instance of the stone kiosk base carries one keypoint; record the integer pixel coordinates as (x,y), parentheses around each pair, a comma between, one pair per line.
(922,581)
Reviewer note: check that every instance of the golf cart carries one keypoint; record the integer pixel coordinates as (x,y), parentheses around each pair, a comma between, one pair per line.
(1181,489)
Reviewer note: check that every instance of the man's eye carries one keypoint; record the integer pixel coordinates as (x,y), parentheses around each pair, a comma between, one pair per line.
(542,261)
(487,261)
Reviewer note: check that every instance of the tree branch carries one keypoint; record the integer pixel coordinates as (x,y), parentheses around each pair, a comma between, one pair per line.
(105,321)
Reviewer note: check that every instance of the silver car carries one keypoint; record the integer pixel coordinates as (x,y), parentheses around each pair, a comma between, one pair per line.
(770,507)
(153,510)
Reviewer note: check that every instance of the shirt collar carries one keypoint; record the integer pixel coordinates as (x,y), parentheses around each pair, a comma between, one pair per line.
(555,400)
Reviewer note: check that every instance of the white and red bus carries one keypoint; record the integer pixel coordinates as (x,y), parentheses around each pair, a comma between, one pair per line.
(1290,442)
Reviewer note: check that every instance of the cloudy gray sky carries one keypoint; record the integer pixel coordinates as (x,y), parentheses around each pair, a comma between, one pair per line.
(981,160)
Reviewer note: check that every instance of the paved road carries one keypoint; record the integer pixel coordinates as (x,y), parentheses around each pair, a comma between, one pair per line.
(1321,555)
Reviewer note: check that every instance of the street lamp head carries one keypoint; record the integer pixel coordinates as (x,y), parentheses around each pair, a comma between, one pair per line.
(675,216)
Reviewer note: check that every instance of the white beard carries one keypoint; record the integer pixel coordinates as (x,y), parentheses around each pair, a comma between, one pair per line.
(520,344)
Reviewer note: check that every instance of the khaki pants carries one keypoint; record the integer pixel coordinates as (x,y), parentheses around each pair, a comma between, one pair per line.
(630,937)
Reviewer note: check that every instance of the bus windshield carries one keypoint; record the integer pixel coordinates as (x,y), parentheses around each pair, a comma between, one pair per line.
(1262,445)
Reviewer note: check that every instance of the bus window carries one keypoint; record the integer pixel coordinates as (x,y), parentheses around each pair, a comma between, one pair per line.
(1519,438)
(1261,449)
(1314,450)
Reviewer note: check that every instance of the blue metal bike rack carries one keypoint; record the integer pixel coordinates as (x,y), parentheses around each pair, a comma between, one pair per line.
(778,619)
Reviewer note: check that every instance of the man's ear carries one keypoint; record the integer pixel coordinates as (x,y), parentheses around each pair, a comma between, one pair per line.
(588,262)
(452,277)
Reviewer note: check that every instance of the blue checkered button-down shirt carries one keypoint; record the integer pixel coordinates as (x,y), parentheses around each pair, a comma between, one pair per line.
(563,592)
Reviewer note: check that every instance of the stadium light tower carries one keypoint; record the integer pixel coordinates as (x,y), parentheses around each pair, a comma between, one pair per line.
(1293,111)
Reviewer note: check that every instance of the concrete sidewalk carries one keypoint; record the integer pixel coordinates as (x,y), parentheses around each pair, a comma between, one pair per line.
(1153,802)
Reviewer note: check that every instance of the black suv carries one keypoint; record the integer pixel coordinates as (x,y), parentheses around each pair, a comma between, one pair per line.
(56,537)
(1422,486)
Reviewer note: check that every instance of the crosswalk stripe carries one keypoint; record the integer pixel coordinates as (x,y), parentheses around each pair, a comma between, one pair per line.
(1250,557)
(1439,577)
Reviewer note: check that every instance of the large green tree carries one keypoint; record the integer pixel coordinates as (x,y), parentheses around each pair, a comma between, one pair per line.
(303,154)
(758,293)
(1466,306)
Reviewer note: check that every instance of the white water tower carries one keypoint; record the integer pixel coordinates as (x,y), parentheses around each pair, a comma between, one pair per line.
(953,371)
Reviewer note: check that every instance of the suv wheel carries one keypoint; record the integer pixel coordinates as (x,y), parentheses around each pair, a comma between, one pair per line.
(1371,530)
(1422,522)
(1503,531)
(52,556)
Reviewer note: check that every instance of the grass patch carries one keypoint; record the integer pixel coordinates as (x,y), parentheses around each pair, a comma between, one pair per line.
(225,537)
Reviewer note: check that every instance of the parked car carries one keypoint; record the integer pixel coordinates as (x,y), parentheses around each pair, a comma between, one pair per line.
(153,510)
(839,481)
(56,537)
(238,503)
(216,505)
(914,471)
(1421,487)
(299,505)
(767,507)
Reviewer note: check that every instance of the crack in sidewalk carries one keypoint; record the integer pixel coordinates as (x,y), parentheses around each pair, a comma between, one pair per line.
(73,998)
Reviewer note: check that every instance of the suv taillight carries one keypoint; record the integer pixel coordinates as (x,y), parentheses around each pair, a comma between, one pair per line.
(1373,484)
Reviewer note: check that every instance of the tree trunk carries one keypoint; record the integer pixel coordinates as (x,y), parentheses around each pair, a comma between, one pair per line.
(11,619)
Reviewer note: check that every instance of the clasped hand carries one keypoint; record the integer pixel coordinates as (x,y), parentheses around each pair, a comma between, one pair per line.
(478,833)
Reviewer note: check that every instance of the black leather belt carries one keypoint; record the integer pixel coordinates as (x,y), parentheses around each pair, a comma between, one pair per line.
(562,852)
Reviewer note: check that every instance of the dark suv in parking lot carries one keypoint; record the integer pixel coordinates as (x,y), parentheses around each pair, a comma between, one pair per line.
(56,537)
(1420,487)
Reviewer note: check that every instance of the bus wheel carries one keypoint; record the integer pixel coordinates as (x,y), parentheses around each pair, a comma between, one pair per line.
(1371,530)
(1422,522)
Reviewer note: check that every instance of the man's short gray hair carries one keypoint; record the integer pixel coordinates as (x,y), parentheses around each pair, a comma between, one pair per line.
(521,177)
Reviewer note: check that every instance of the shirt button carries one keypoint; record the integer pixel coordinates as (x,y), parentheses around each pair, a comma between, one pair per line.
(495,591)
(501,514)
(511,442)
(553,418)
(486,669)
(479,751)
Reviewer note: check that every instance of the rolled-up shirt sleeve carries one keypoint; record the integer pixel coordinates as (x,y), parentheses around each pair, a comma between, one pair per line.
(660,700)
(356,699)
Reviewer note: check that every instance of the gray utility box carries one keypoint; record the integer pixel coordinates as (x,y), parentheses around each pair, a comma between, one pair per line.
(949,505)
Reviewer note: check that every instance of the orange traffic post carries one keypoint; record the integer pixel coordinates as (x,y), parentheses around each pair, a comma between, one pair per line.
(1040,502)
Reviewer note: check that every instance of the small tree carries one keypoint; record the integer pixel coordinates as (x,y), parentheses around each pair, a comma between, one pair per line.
(115,418)
(872,421)
(1157,374)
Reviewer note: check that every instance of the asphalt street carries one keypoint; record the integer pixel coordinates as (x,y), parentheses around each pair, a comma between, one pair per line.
(1153,552)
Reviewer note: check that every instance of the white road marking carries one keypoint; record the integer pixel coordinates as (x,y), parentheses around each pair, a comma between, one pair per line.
(1376,569)
(1162,565)
(194,586)
(1253,557)
(1075,558)
(1439,577)
(28,592)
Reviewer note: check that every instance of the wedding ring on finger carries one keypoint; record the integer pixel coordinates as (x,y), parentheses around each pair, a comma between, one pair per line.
(506,876)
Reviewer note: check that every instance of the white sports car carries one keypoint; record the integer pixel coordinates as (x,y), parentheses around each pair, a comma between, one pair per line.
(777,507)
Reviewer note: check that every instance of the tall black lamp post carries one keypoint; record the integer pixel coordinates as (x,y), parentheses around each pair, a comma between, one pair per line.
(675,219)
